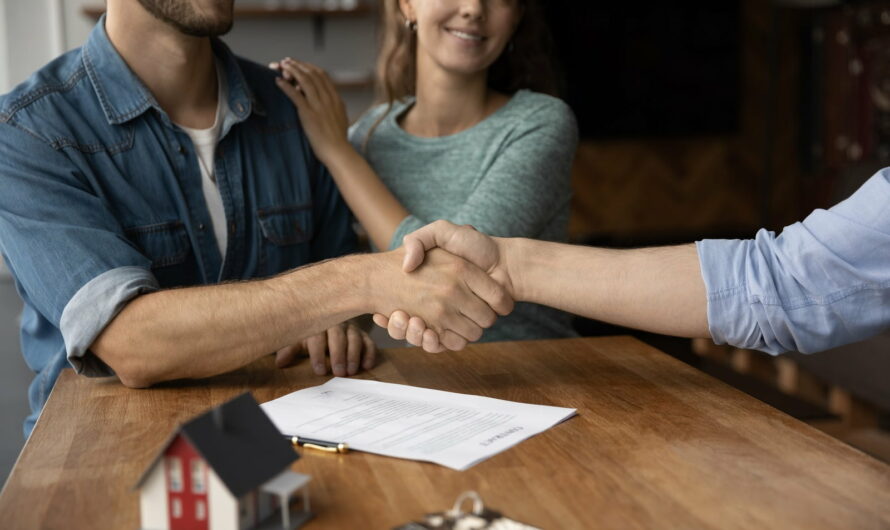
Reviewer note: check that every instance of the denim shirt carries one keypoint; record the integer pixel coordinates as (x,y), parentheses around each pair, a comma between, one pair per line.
(821,283)
(102,201)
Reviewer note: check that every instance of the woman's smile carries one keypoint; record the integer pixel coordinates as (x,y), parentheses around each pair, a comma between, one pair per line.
(467,35)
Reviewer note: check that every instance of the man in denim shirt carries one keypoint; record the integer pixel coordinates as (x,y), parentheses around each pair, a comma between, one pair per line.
(111,196)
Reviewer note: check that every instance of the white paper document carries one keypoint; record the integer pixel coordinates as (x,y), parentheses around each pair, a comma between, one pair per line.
(454,430)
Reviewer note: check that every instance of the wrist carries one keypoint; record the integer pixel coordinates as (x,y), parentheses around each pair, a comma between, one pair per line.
(376,286)
(341,283)
(361,269)
(514,264)
(338,156)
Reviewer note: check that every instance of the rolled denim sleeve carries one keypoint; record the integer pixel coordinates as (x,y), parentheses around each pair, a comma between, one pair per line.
(66,249)
(93,307)
(821,283)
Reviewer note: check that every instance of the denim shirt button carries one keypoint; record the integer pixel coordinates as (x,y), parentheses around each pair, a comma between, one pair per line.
(181,149)
(201,227)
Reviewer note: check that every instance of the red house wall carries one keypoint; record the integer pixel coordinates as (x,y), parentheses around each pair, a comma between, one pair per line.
(182,488)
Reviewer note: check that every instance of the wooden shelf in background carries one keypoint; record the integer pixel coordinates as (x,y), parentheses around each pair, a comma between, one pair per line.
(265,12)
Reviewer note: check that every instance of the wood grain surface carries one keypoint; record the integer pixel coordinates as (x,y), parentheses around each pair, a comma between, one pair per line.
(656,444)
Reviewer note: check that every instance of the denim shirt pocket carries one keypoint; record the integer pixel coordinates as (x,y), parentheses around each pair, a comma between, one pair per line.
(167,246)
(287,232)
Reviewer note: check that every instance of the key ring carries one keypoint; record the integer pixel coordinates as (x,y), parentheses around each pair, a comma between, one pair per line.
(478,506)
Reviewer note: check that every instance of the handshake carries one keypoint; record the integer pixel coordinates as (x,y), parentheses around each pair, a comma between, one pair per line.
(478,287)
(658,289)
(448,283)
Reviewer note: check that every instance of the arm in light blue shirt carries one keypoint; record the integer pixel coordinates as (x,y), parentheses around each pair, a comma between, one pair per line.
(821,283)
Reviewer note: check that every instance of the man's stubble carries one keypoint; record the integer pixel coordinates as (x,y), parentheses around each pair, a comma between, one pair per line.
(189,19)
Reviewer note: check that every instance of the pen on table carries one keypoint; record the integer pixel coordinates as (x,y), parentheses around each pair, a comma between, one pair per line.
(321,445)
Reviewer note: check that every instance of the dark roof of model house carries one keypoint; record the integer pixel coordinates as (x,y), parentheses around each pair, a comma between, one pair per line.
(239,442)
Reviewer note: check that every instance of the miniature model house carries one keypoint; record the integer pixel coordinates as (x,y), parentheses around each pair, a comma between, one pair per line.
(225,469)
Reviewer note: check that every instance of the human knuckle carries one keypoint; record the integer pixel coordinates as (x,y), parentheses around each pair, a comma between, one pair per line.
(503,301)
(449,340)
(452,290)
(456,342)
(439,311)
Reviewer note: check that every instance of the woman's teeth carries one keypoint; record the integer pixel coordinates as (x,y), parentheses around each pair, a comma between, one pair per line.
(465,36)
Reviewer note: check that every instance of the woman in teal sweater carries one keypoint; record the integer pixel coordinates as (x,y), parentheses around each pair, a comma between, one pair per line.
(467,133)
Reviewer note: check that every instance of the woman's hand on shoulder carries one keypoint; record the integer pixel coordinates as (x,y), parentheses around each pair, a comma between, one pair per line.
(320,107)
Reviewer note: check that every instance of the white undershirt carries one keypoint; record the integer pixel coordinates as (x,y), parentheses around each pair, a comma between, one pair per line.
(205,141)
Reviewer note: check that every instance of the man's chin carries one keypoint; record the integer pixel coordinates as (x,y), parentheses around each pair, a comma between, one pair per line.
(218,21)
(207,29)
(197,21)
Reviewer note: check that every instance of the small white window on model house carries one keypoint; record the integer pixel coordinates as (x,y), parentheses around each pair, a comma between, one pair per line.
(174,472)
(200,511)
(198,485)
(176,508)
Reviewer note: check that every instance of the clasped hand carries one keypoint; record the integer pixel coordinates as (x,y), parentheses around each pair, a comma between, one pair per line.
(451,300)
(464,241)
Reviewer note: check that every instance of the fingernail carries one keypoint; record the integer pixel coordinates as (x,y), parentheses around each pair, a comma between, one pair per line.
(319,368)
(397,323)
(353,368)
(339,369)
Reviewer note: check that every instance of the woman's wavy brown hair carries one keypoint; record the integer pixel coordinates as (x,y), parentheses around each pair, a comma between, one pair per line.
(526,63)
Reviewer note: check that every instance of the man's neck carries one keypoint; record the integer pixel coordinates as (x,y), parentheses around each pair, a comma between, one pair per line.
(448,103)
(178,69)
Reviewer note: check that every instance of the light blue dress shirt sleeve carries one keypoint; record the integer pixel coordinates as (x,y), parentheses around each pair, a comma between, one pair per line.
(821,283)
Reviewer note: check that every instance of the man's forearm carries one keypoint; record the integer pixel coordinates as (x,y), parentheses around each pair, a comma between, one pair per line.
(655,289)
(203,331)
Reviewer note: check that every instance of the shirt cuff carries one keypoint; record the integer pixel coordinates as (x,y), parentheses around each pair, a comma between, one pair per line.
(92,307)
(408,225)
(731,318)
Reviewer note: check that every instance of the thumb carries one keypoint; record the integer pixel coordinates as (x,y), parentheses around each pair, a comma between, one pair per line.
(415,250)
(417,243)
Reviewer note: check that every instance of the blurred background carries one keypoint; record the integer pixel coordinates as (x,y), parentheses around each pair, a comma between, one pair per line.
(698,119)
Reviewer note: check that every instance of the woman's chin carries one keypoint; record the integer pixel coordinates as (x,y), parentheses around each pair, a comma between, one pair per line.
(466,68)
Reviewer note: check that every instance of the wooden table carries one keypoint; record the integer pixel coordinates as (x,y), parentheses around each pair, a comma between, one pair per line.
(656,444)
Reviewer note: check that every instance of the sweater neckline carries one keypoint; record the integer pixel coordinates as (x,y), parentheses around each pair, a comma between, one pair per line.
(404,106)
